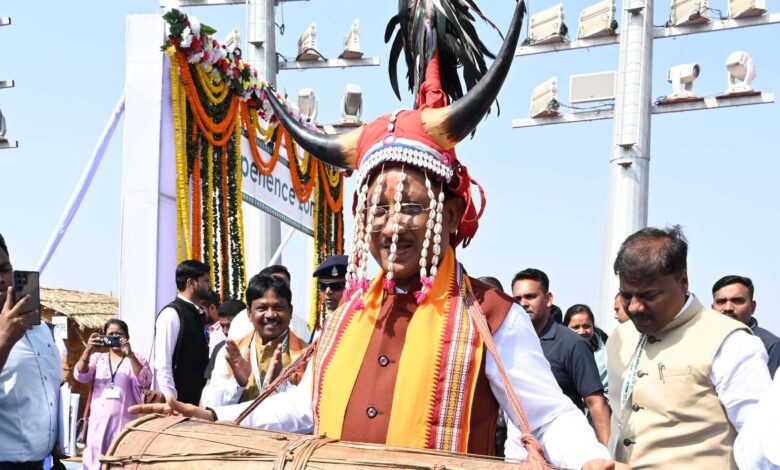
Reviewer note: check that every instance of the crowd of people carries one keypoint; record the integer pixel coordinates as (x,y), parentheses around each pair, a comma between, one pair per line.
(671,360)
(423,355)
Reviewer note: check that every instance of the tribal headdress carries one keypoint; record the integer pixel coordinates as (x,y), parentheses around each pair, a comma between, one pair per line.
(437,37)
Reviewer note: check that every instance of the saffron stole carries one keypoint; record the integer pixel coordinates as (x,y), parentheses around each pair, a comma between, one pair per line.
(441,374)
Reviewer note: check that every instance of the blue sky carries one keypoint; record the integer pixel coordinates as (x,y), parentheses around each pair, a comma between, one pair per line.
(714,172)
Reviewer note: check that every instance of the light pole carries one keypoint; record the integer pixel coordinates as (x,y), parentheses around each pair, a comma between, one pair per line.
(629,160)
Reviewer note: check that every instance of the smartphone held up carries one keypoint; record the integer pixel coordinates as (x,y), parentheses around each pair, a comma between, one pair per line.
(107,341)
(26,283)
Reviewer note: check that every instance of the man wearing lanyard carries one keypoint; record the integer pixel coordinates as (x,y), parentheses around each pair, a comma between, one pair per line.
(30,378)
(687,375)
(255,360)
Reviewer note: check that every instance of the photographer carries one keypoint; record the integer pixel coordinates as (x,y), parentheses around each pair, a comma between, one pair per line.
(30,378)
(119,376)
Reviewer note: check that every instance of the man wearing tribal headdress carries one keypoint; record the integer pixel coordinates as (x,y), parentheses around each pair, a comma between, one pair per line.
(423,355)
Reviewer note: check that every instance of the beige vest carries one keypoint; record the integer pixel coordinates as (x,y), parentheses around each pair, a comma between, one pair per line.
(673,418)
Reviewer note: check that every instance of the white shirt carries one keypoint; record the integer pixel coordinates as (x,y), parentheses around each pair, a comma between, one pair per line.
(222,389)
(166,333)
(739,373)
(561,428)
(30,398)
(757,443)
(240,326)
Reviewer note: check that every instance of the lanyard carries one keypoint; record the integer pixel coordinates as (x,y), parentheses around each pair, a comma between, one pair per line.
(256,366)
(111,368)
(628,385)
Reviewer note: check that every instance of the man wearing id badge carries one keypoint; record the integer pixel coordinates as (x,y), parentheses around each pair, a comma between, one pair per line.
(685,377)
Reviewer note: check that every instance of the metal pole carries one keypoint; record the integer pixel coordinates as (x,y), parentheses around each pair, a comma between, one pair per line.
(629,162)
(266,234)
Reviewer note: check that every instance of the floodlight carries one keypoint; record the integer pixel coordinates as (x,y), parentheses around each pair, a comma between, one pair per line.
(307,104)
(598,20)
(547,26)
(686,12)
(307,44)
(352,104)
(681,77)
(352,48)
(544,99)
(746,8)
(740,67)
(233,40)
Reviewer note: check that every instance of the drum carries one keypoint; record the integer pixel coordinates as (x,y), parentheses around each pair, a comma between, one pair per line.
(175,442)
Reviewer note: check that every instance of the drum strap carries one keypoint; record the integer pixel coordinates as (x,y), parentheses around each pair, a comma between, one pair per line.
(535,453)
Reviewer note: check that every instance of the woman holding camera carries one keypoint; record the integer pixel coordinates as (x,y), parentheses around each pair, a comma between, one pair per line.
(119,376)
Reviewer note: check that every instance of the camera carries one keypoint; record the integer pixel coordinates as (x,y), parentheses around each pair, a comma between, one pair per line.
(107,341)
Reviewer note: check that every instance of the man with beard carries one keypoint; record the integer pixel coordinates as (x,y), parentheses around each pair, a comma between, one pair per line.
(733,296)
(684,377)
(330,283)
(181,343)
(256,359)
(423,355)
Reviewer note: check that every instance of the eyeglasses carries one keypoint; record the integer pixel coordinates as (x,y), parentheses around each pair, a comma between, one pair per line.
(323,286)
(411,216)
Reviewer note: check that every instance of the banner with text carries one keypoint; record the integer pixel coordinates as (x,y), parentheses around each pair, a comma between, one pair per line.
(274,194)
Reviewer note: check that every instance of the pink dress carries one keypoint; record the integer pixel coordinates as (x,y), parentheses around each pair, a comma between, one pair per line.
(108,413)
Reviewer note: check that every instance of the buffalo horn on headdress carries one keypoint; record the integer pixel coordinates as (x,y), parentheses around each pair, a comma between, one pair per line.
(336,150)
(451,124)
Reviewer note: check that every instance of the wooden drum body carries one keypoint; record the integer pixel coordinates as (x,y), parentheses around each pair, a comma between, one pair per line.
(176,442)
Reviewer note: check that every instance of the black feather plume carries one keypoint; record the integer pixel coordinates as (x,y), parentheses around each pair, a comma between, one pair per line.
(422,26)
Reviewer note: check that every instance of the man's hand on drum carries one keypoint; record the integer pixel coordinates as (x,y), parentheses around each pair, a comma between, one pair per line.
(171,408)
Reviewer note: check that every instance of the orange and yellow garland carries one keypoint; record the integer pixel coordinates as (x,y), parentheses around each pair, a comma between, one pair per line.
(209,117)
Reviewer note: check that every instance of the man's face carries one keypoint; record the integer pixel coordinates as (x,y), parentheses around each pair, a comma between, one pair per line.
(225,322)
(620,313)
(332,291)
(6,273)
(734,300)
(201,288)
(536,303)
(270,315)
(211,312)
(652,304)
(406,266)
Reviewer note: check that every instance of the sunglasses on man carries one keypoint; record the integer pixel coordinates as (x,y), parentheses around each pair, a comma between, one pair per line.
(334,286)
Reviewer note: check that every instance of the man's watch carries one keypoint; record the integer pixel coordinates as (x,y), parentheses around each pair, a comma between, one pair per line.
(213,413)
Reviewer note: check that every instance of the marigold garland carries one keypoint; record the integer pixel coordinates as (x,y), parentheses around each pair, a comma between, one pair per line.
(214,98)
(215,93)
(224,285)
(303,190)
(182,233)
(209,240)
(239,210)
(197,252)
(265,168)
